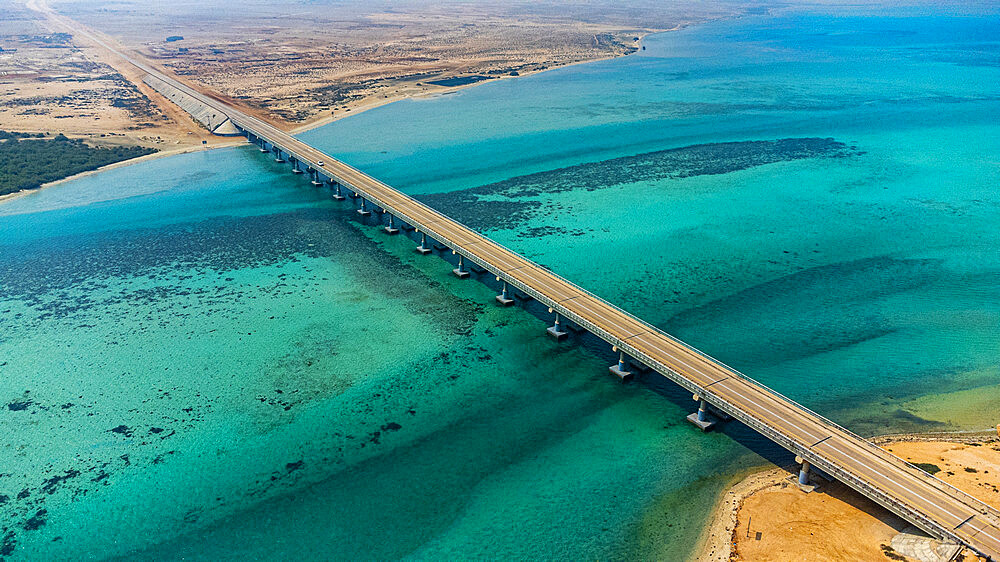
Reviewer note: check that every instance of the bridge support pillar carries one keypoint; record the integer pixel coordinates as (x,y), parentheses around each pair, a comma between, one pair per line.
(460,271)
(391,227)
(363,211)
(316,181)
(337,195)
(556,330)
(702,418)
(277,156)
(804,477)
(621,370)
(503,298)
(295,167)
(423,248)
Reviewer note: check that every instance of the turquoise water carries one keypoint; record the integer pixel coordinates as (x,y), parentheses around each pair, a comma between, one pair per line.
(204,357)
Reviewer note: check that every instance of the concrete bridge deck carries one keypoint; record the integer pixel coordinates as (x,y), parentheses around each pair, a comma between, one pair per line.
(925,501)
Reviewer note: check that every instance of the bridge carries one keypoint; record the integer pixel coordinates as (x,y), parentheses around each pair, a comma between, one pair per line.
(721,391)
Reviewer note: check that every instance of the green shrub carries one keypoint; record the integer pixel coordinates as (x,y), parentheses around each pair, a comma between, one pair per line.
(27,164)
(927,467)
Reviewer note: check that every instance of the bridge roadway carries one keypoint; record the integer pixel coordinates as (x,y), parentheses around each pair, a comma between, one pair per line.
(927,502)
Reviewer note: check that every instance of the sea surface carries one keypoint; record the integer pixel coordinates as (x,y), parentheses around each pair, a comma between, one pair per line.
(204,357)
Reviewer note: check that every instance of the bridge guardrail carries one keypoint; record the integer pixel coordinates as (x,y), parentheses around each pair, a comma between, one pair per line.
(496,270)
(978,505)
(745,417)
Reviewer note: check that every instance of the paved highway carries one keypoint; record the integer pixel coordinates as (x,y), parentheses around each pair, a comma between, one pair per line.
(906,490)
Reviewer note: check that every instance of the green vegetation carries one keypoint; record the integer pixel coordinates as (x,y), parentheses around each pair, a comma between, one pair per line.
(27,164)
(928,467)
(890,553)
(4,135)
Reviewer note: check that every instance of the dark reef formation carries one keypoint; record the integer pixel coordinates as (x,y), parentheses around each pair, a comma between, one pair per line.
(509,203)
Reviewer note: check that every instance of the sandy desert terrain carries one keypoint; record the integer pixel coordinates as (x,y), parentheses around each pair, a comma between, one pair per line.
(767,517)
(299,64)
(50,82)
(302,62)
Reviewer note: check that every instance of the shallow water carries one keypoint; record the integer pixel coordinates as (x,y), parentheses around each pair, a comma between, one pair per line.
(204,357)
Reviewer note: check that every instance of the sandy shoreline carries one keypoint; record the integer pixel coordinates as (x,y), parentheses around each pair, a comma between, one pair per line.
(376,102)
(313,124)
(715,543)
(146,158)
(720,541)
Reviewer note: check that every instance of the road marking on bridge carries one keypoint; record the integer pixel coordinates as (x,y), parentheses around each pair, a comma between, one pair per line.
(652,347)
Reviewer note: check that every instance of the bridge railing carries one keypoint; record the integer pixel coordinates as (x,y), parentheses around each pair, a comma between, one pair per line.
(746,417)
(733,409)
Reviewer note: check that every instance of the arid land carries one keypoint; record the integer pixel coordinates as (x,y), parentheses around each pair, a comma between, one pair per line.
(50,82)
(766,517)
(297,64)
(300,65)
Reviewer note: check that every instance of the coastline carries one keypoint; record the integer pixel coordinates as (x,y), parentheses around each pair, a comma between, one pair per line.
(326,120)
(718,541)
(727,483)
(146,158)
(309,125)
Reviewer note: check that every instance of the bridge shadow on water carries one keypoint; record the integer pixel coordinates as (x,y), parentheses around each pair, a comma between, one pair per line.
(648,378)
